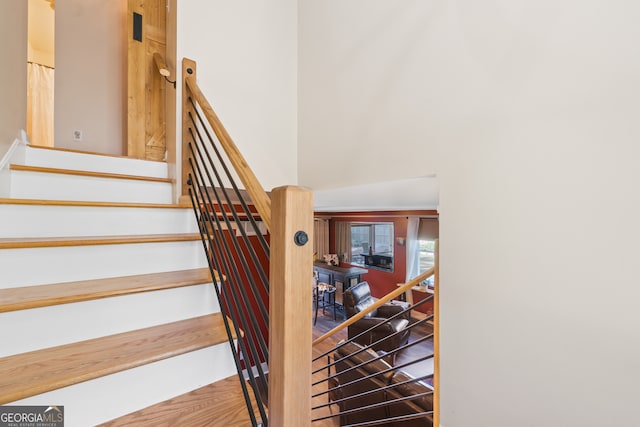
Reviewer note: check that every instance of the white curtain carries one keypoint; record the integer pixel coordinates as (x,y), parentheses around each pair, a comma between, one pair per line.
(40,104)
(413,255)
(321,237)
(343,241)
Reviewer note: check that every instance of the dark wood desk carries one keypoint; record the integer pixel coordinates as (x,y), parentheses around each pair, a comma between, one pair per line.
(340,277)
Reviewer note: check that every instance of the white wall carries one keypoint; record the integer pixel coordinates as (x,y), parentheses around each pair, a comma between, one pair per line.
(91,61)
(528,112)
(368,91)
(13,72)
(246,54)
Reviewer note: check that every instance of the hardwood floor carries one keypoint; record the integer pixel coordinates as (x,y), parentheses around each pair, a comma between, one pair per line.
(221,403)
(325,323)
(218,404)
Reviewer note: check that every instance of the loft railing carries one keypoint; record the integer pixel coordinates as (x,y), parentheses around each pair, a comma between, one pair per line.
(263,283)
(260,277)
(361,386)
(385,299)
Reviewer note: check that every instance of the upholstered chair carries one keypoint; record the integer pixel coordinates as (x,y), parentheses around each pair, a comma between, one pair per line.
(356,299)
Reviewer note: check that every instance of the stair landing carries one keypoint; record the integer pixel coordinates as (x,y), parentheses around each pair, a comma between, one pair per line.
(218,404)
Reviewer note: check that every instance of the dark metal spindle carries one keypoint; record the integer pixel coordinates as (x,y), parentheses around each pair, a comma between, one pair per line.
(241,344)
(235,286)
(379,405)
(399,314)
(255,260)
(236,357)
(373,391)
(378,373)
(230,267)
(329,376)
(224,261)
(379,357)
(263,242)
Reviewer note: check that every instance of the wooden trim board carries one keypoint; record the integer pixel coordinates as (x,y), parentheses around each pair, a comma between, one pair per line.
(44,202)
(40,371)
(87,173)
(27,297)
(39,242)
(92,153)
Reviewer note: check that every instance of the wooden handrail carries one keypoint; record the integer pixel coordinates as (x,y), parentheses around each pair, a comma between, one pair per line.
(404,288)
(162,66)
(258,196)
(290,258)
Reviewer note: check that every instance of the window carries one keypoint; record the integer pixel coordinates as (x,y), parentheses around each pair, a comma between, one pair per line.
(421,241)
(372,245)
(426,257)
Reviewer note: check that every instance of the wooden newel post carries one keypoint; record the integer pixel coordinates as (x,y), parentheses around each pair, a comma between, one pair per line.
(290,301)
(188,71)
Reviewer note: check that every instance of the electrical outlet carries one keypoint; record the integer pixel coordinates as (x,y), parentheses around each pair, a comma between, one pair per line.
(77,135)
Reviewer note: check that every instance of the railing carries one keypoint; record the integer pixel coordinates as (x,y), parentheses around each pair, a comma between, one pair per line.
(255,271)
(264,289)
(162,67)
(385,299)
(385,380)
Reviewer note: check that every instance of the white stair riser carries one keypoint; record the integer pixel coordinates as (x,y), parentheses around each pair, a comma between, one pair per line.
(37,266)
(55,186)
(29,330)
(88,162)
(103,399)
(5,182)
(59,221)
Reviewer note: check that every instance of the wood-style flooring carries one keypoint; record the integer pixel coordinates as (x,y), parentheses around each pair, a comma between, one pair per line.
(218,404)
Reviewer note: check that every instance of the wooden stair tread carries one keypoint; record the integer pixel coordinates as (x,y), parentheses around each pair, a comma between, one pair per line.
(86,173)
(218,404)
(39,371)
(42,202)
(46,242)
(92,153)
(27,297)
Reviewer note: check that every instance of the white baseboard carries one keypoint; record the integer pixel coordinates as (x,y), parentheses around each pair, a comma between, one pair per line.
(16,151)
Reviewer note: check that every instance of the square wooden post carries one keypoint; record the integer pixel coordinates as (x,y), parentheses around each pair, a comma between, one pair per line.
(188,71)
(290,329)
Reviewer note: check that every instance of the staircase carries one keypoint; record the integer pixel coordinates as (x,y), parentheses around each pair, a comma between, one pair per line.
(106,301)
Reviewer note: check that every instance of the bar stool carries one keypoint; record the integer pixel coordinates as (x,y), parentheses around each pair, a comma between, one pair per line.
(324,295)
